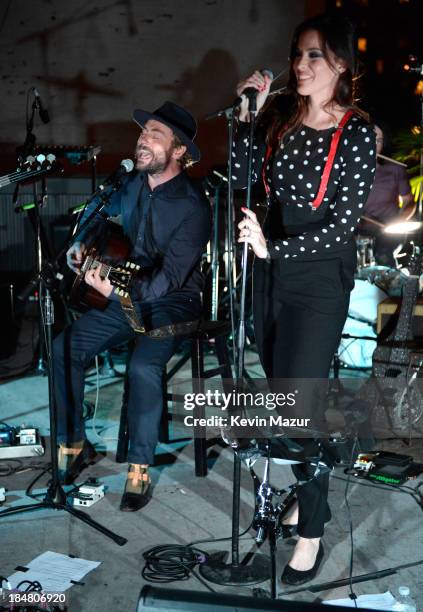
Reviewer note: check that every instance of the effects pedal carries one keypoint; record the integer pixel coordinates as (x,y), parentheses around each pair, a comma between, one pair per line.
(88,494)
(17,442)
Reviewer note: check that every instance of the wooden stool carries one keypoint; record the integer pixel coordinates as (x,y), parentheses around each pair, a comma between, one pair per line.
(208,330)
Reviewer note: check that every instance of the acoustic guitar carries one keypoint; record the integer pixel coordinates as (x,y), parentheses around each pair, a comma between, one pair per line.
(109,251)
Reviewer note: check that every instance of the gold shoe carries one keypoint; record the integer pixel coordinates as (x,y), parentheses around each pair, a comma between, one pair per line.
(72,460)
(138,489)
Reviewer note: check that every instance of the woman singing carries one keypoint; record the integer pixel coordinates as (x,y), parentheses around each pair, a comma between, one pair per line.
(317,162)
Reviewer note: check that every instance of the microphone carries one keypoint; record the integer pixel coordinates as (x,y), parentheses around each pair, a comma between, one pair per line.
(43,112)
(251,92)
(126,166)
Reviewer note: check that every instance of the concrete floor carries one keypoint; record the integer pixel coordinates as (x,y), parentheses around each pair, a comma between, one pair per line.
(388,526)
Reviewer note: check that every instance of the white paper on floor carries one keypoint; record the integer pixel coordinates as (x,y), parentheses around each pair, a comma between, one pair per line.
(54,571)
(377,601)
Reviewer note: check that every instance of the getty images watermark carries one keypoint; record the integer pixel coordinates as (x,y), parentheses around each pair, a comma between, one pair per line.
(247,401)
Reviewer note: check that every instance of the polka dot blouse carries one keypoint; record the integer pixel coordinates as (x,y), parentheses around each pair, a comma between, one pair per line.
(293,173)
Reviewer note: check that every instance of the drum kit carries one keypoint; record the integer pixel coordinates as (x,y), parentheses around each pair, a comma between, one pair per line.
(373,283)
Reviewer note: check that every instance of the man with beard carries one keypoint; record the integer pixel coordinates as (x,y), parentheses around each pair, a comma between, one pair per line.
(167,221)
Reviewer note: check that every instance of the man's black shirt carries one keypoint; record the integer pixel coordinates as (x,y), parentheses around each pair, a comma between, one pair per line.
(168,227)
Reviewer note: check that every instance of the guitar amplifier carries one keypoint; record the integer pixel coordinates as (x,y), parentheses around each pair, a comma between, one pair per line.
(390,306)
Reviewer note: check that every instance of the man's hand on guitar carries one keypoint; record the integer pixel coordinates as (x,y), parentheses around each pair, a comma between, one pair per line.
(75,256)
(103,285)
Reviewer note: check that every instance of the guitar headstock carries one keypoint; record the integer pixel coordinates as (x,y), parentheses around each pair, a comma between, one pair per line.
(121,277)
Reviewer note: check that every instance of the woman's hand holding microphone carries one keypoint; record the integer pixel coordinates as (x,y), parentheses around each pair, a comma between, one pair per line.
(260,81)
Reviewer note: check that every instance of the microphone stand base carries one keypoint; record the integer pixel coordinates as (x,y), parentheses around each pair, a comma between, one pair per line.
(217,571)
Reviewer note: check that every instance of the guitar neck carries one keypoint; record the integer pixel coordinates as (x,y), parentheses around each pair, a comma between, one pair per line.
(21,175)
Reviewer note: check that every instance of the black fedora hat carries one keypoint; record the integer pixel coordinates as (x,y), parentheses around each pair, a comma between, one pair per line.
(180,121)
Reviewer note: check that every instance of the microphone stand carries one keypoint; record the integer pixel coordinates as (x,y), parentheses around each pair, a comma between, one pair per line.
(55,497)
(257,570)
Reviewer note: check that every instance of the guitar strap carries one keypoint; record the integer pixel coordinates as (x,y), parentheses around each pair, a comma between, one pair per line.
(166,331)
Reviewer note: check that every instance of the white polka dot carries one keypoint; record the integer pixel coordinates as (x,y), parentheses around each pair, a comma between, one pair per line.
(360,192)
(320,139)
(355,148)
(279,163)
(300,176)
(324,230)
(357,159)
(302,132)
(347,212)
(343,220)
(344,198)
(234,177)
(301,237)
(345,141)
(307,153)
(317,167)
(367,139)
(316,239)
(302,249)
(305,162)
(255,147)
(277,192)
(277,248)
(338,239)
(285,156)
(237,165)
(286,256)
(308,185)
(308,142)
(327,246)
(291,137)
(293,187)
(295,151)
(285,243)
(280,176)
(361,184)
(360,205)
(291,166)
(314,251)
(356,176)
(233,154)
(320,150)
(293,197)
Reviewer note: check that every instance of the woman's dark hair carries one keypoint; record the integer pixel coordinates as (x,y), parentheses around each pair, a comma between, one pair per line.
(336,34)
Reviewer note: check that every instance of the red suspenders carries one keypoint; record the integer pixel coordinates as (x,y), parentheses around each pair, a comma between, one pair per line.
(328,166)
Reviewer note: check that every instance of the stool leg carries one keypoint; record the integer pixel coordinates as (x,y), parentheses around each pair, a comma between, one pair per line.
(200,442)
(221,343)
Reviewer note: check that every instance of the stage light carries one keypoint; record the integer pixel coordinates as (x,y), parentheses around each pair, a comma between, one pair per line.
(403,227)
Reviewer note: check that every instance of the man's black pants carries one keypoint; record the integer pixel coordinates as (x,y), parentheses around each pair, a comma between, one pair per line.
(97,331)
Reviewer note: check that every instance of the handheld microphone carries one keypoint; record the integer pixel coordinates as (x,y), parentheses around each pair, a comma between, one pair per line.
(126,166)
(43,112)
(251,92)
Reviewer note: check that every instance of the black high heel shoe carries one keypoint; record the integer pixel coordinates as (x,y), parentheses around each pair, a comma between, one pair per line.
(295,577)
(73,460)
